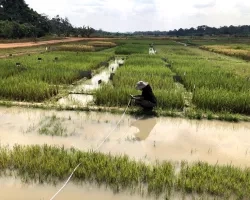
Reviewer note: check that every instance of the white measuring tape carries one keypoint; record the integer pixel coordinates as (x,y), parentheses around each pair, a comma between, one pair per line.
(94,150)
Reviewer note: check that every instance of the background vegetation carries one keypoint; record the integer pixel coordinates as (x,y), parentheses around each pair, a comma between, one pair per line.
(17,20)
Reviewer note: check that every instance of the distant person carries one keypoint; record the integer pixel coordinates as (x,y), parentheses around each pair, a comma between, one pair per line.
(147,99)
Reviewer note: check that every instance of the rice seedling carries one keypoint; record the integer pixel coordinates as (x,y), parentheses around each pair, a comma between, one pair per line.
(52,126)
(222,100)
(240,51)
(47,164)
(225,181)
(76,48)
(101,44)
(146,41)
(17,88)
(51,164)
(215,83)
(141,67)
(128,49)
(41,79)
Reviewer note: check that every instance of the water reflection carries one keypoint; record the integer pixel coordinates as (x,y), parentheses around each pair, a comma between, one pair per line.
(145,126)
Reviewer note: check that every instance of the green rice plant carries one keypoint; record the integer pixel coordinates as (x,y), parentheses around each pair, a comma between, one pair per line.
(36,80)
(146,41)
(128,49)
(222,100)
(240,50)
(47,164)
(51,164)
(80,48)
(9,70)
(108,96)
(26,90)
(225,181)
(53,126)
(170,99)
(141,67)
(215,82)
(101,44)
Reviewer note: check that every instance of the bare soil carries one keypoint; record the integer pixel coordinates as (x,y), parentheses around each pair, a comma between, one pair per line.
(29,44)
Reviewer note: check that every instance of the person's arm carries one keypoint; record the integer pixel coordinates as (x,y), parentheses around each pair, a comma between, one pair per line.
(136,96)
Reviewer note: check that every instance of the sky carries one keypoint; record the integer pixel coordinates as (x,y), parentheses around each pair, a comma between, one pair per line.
(146,15)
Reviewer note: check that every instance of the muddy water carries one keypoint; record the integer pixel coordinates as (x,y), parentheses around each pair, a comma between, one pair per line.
(76,99)
(93,83)
(14,189)
(144,138)
(102,77)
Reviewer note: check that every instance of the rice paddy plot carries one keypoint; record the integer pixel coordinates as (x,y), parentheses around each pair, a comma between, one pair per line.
(39,164)
(236,50)
(215,85)
(141,67)
(38,76)
(128,49)
(50,156)
(13,189)
(81,94)
(76,48)
(101,44)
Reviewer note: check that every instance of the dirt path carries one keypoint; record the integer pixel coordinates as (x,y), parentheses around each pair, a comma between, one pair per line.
(20,54)
(29,44)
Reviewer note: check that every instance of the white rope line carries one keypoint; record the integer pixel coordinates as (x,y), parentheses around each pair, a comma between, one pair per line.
(94,150)
(66,182)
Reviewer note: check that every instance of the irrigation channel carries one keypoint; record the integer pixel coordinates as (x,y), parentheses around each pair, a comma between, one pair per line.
(81,94)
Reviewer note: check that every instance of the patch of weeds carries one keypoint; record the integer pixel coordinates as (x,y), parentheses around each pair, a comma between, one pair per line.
(190,114)
(31,128)
(210,115)
(198,115)
(229,117)
(8,104)
(131,139)
(52,126)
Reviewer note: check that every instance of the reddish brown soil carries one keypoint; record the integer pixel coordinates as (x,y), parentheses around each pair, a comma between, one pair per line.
(29,44)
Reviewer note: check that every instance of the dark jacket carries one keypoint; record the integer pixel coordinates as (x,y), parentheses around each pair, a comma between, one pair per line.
(148,94)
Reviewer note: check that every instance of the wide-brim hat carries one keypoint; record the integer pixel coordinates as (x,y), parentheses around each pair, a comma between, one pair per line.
(140,85)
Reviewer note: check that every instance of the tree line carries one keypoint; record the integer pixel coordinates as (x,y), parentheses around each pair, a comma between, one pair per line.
(201,31)
(17,20)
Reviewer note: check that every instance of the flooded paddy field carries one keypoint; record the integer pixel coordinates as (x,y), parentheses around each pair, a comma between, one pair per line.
(221,149)
(147,138)
(12,189)
(143,139)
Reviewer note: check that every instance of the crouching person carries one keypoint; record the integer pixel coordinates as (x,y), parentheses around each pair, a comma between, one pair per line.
(147,99)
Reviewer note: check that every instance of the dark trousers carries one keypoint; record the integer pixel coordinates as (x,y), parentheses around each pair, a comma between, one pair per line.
(145,103)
